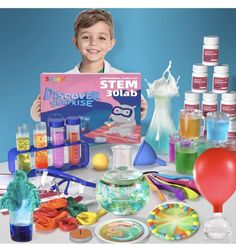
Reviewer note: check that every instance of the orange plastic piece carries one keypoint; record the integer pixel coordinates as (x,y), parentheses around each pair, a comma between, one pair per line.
(56,203)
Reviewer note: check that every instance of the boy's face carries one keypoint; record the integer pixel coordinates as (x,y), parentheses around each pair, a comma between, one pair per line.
(94,42)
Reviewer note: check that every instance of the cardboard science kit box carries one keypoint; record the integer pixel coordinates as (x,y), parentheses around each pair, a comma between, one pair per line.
(109,105)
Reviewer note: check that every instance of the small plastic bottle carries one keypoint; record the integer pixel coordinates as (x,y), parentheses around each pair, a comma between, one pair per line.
(209,103)
(192,101)
(210,51)
(57,131)
(73,135)
(40,141)
(220,82)
(199,78)
(23,144)
(228,104)
(232,130)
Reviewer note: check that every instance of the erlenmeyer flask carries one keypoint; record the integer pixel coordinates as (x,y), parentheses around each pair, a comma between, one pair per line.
(162,124)
(122,190)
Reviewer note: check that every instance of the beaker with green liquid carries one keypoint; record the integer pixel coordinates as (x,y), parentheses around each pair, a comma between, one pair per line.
(123,190)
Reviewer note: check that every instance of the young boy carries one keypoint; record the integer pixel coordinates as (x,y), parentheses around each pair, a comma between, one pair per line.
(94,38)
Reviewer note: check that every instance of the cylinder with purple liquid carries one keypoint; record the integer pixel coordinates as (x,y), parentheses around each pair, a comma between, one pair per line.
(57,133)
(173,139)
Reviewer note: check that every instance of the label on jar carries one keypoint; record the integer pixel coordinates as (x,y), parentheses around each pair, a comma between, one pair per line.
(199,82)
(210,55)
(208,108)
(220,83)
(231,109)
(231,135)
(190,108)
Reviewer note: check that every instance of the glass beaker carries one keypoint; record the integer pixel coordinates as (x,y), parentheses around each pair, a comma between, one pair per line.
(21,225)
(190,122)
(123,190)
(217,126)
(204,144)
(186,154)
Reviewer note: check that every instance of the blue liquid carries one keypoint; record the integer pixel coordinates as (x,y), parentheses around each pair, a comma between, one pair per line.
(21,233)
(217,131)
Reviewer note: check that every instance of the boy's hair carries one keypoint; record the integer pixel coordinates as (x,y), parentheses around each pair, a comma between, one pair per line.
(88,18)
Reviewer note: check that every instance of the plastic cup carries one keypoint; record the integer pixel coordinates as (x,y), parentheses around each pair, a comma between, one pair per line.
(190,122)
(217,125)
(21,225)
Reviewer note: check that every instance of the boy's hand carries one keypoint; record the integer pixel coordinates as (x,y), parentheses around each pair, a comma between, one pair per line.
(144,107)
(107,123)
(35,110)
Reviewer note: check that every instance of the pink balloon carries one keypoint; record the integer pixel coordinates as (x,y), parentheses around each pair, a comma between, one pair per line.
(215,176)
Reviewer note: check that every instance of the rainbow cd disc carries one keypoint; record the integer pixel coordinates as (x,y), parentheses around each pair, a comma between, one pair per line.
(173,221)
(122,230)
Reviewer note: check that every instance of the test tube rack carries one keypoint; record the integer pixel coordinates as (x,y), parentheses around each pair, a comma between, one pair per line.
(84,159)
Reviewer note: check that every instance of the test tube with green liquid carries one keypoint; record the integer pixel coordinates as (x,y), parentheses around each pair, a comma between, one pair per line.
(23,144)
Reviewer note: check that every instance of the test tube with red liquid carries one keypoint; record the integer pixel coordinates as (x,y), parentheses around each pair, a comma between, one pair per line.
(57,129)
(40,141)
(73,135)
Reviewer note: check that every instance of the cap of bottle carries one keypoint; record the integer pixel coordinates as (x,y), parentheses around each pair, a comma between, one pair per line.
(211,40)
(200,68)
(224,68)
(56,122)
(73,120)
(210,96)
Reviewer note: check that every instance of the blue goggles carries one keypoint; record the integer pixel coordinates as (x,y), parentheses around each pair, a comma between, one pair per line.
(125,112)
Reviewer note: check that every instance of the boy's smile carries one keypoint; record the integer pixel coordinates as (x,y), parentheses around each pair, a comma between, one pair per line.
(94,42)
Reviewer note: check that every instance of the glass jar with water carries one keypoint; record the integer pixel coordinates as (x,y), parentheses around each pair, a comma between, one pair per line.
(122,190)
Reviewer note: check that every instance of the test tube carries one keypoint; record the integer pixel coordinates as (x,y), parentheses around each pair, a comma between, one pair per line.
(40,141)
(23,144)
(73,135)
(57,130)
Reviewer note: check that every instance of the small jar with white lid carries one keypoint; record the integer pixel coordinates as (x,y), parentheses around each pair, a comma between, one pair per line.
(209,103)
(228,104)
(199,78)
(232,130)
(191,101)
(220,82)
(210,51)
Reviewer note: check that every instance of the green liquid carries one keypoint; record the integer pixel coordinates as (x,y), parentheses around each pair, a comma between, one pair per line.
(123,197)
(185,161)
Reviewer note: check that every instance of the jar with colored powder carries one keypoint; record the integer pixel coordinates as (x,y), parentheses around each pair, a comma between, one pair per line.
(228,104)
(220,81)
(210,51)
(191,101)
(232,130)
(199,78)
(209,103)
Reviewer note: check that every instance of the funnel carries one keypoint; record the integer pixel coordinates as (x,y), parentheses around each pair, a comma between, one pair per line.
(147,156)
